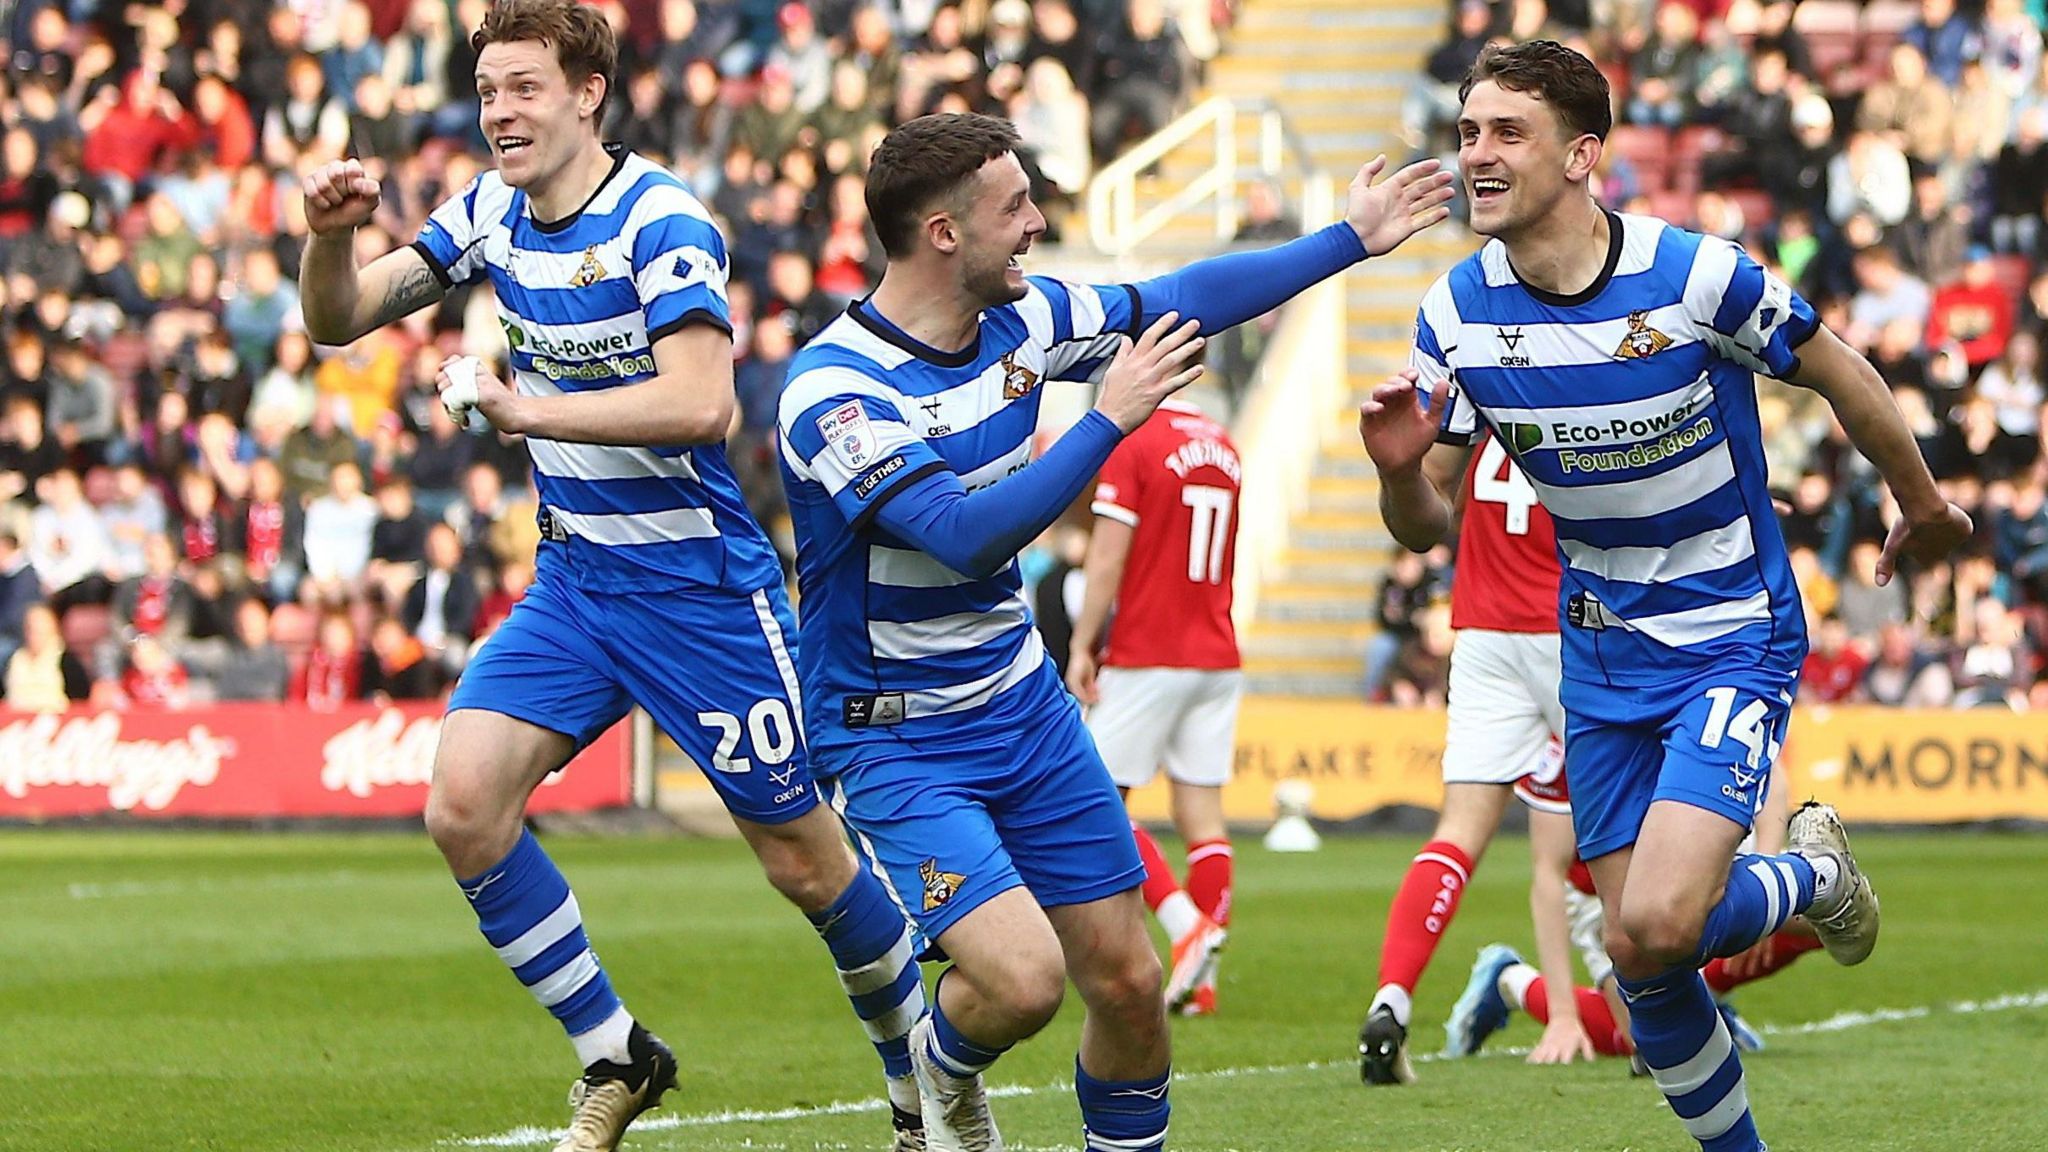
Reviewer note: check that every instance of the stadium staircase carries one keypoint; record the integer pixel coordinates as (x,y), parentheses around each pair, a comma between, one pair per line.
(1337,69)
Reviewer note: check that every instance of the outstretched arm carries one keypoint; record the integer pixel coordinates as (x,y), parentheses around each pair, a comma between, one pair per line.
(1928,527)
(1227,290)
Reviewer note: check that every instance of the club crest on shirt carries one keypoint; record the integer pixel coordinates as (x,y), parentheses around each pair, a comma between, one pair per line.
(1642,340)
(589,272)
(1018,380)
(939,886)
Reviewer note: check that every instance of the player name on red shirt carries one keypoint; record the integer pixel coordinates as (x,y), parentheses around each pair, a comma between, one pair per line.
(1507,574)
(1175,481)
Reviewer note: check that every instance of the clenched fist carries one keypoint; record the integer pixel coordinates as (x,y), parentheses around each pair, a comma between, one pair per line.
(340,196)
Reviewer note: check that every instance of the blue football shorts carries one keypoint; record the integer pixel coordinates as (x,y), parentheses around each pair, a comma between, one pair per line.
(714,670)
(1011,794)
(1708,740)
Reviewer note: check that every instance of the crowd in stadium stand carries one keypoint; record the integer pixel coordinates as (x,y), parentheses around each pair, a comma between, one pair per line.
(1889,160)
(202,505)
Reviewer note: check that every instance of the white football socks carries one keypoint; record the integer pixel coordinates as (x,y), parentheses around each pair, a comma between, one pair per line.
(607,1041)
(1395,998)
(1178,915)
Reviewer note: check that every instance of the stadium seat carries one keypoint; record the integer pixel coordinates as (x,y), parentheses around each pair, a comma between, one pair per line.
(1890,17)
(1828,17)
(2014,272)
(1648,149)
(292,628)
(1837,60)
(1758,209)
(84,626)
(99,486)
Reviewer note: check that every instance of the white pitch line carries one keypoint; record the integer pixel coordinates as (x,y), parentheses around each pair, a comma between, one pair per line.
(118,888)
(530,1136)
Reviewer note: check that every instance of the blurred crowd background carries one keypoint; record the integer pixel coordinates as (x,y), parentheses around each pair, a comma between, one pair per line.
(1888,161)
(200,505)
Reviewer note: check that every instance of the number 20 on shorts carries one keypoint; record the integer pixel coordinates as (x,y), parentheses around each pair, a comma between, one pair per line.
(769,725)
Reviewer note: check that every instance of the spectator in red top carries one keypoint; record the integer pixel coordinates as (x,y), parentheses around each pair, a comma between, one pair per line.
(126,130)
(1975,311)
(1834,668)
(225,129)
(267,531)
(156,603)
(510,590)
(154,678)
(333,673)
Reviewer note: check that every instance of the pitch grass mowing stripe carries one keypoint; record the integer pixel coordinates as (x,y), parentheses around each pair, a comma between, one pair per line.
(529,1136)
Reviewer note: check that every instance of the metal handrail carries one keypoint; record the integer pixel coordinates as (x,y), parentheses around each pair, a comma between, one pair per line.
(1115,225)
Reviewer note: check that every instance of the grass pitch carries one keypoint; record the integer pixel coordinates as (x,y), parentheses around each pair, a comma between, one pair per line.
(247,993)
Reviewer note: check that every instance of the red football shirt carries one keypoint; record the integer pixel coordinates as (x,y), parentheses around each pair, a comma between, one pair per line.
(1175,482)
(1506,576)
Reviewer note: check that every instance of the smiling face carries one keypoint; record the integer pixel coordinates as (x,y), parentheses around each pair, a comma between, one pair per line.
(1519,160)
(996,229)
(535,118)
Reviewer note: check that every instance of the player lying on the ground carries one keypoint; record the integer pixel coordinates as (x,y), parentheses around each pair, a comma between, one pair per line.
(1592,1019)
(653,584)
(955,753)
(1164,553)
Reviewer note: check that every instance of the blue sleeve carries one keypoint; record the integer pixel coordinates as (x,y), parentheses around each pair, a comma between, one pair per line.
(451,239)
(851,441)
(1225,291)
(977,533)
(1750,315)
(679,272)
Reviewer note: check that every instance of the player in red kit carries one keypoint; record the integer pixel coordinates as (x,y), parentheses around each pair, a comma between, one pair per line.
(1567,915)
(1164,553)
(1503,714)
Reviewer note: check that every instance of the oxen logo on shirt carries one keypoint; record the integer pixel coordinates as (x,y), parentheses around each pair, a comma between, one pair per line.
(589,272)
(1018,380)
(1642,340)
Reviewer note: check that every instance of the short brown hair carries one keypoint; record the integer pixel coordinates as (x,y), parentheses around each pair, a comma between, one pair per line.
(583,40)
(924,161)
(1553,73)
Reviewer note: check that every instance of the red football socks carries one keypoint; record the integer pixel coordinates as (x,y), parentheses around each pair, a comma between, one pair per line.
(1209,864)
(1422,910)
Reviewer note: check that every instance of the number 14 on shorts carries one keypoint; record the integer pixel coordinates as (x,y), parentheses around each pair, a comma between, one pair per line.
(1751,727)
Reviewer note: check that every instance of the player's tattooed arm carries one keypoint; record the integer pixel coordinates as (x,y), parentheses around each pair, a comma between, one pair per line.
(343,302)
(410,289)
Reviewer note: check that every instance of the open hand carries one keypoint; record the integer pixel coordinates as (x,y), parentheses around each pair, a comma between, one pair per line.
(1163,360)
(1387,213)
(1563,1041)
(1396,429)
(1081,677)
(1924,541)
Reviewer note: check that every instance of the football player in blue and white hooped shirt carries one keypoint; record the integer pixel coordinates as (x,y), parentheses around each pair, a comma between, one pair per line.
(1614,356)
(653,583)
(953,750)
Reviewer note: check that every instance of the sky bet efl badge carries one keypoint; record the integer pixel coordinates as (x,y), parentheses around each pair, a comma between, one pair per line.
(848,434)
